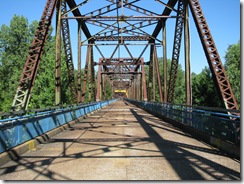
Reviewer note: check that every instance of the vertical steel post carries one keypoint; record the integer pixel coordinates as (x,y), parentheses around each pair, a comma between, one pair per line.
(79,63)
(68,53)
(58,55)
(102,86)
(85,75)
(144,86)
(134,88)
(99,82)
(158,74)
(151,76)
(92,85)
(140,89)
(187,56)
(104,96)
(165,61)
(154,75)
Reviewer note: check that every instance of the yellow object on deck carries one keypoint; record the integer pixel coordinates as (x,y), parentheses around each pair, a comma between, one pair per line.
(121,91)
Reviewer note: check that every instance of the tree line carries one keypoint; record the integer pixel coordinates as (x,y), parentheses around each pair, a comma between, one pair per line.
(16,39)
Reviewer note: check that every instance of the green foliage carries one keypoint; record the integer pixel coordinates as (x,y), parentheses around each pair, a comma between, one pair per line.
(233,65)
(15,41)
(180,93)
(108,90)
(204,91)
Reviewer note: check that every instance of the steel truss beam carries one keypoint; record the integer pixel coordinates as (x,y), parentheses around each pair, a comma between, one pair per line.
(28,75)
(158,74)
(92,85)
(165,61)
(121,39)
(68,54)
(107,9)
(213,58)
(121,71)
(151,76)
(76,7)
(121,18)
(166,5)
(188,83)
(125,29)
(89,77)
(86,73)
(167,11)
(76,12)
(121,84)
(58,55)
(136,8)
(176,51)
(79,92)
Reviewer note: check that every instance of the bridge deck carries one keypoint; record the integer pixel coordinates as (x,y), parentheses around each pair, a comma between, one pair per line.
(122,142)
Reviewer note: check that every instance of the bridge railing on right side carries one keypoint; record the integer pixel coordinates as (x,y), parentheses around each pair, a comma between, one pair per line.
(216,122)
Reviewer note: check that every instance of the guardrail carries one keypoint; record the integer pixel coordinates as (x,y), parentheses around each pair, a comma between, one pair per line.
(213,121)
(21,128)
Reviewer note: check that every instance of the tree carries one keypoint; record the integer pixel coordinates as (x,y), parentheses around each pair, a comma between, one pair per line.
(14,43)
(204,92)
(14,47)
(233,65)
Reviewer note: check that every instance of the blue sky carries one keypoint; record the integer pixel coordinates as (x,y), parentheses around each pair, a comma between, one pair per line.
(223,18)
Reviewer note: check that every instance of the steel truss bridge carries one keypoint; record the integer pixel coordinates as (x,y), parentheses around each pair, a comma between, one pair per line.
(117,25)
(117,30)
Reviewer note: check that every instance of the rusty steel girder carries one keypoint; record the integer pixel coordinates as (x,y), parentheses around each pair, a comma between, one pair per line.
(28,75)
(92,85)
(151,76)
(176,51)
(86,73)
(109,8)
(68,54)
(135,8)
(122,39)
(125,29)
(217,68)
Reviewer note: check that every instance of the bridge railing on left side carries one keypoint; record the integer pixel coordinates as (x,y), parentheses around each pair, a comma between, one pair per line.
(22,128)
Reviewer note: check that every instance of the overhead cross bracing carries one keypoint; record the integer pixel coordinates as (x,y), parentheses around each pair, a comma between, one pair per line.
(122,29)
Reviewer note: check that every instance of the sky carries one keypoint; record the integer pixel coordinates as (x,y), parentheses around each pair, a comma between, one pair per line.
(223,18)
